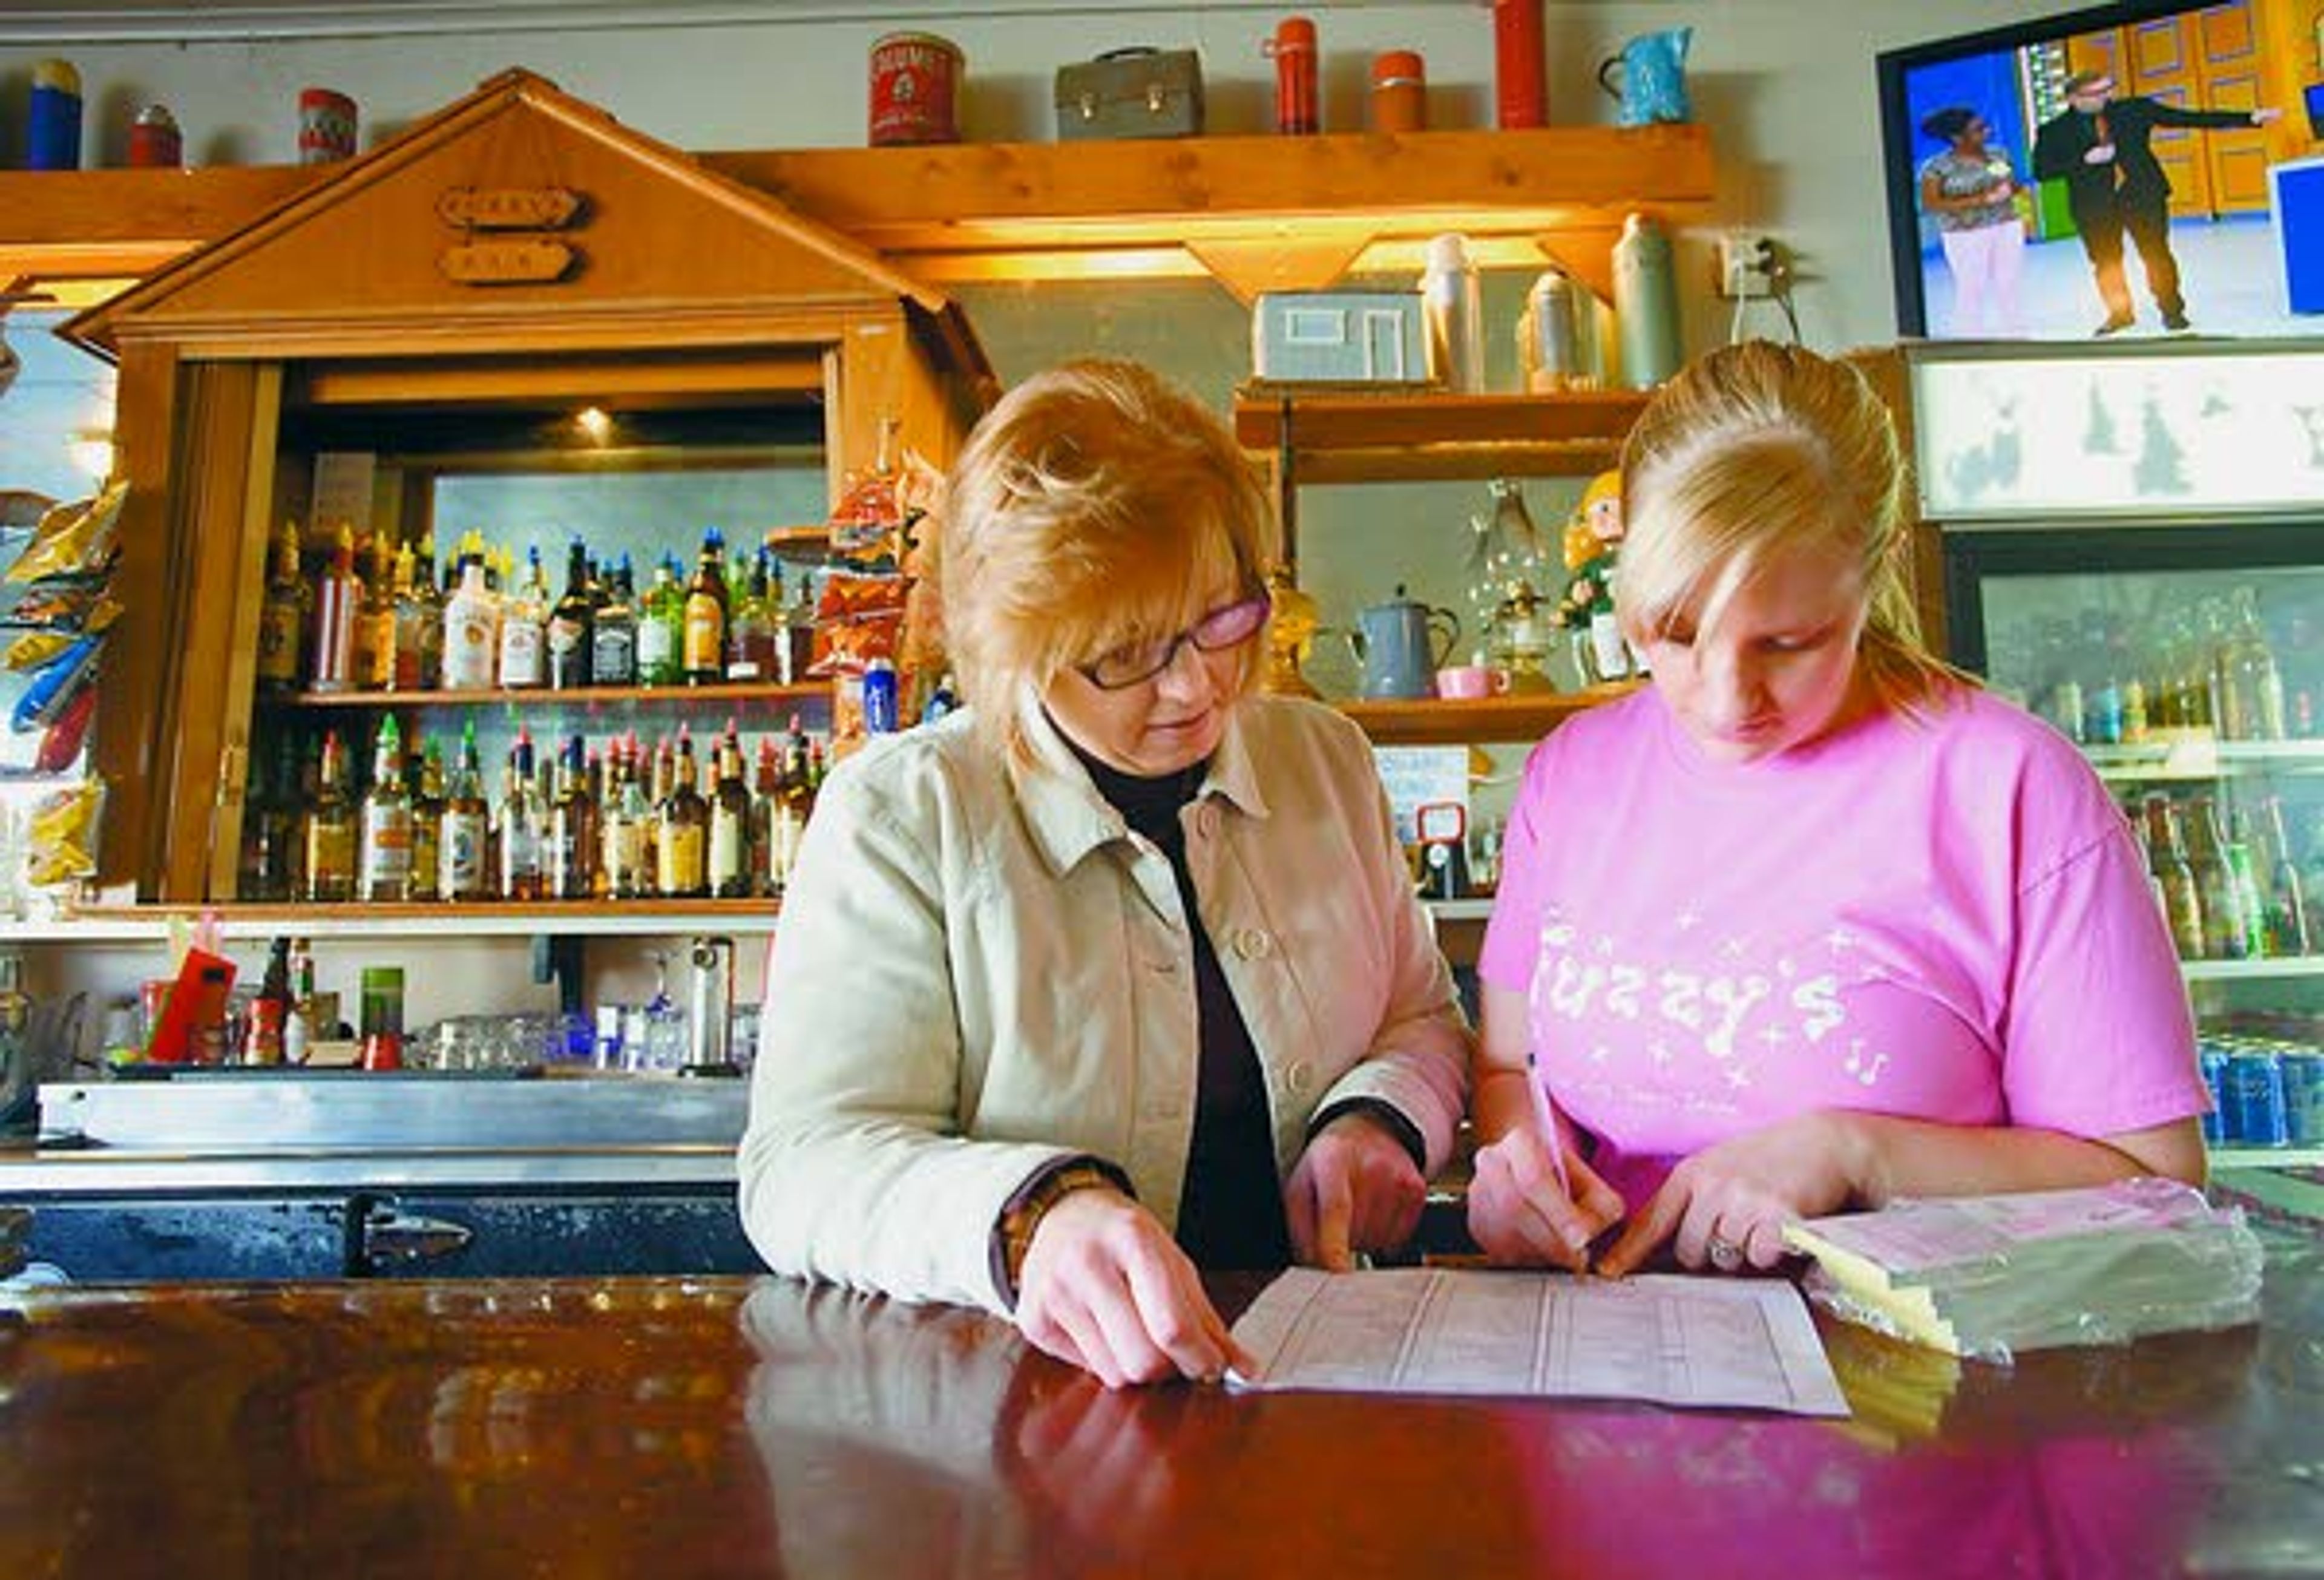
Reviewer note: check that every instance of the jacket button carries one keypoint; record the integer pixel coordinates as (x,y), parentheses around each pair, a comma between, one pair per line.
(1206,820)
(1299,1077)
(1250,944)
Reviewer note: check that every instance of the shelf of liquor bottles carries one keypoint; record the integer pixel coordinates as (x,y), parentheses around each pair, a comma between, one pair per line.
(812,693)
(2182,756)
(637,918)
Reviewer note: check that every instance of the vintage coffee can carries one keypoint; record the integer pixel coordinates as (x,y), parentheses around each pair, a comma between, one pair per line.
(155,142)
(326,126)
(53,141)
(915,89)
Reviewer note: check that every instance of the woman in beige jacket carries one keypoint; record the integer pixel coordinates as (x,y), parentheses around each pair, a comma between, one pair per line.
(1117,975)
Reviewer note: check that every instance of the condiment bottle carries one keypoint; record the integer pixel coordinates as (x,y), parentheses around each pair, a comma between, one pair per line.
(1297,104)
(1399,92)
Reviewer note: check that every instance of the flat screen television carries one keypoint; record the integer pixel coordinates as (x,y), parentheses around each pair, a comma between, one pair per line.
(2065,256)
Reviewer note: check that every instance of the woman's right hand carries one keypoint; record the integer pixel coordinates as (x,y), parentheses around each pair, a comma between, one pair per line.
(1521,1217)
(1105,1286)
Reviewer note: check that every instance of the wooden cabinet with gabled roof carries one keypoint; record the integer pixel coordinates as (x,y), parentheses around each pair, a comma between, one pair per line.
(520,253)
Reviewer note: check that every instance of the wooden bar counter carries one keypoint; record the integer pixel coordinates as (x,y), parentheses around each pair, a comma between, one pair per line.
(679,1428)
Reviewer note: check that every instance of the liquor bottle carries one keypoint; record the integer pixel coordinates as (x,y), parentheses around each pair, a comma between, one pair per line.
(798,634)
(573,626)
(470,630)
(2251,902)
(2248,686)
(270,828)
(704,653)
(681,864)
(328,836)
(573,842)
(2224,934)
(428,638)
(2174,877)
(2280,880)
(270,1011)
(628,824)
(282,617)
(338,598)
(754,640)
(374,655)
(419,626)
(425,778)
(522,826)
(385,867)
(300,1032)
(523,613)
(613,646)
(729,860)
(661,620)
(795,805)
(464,847)
(766,794)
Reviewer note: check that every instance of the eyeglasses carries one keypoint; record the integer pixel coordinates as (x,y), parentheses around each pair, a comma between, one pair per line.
(1228,626)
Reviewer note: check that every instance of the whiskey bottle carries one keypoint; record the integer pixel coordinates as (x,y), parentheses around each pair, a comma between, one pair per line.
(627,822)
(706,613)
(374,655)
(426,782)
(328,836)
(573,841)
(573,626)
(730,825)
(613,646)
(464,846)
(384,866)
(681,858)
(282,617)
(522,827)
(524,610)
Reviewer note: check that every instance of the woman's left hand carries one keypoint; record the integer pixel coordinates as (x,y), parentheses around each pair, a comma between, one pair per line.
(1355,1190)
(1725,1206)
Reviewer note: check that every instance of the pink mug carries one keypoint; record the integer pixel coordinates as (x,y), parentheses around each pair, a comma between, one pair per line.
(1470,681)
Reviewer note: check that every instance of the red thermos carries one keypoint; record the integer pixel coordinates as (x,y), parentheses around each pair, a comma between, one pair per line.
(1297,106)
(1520,97)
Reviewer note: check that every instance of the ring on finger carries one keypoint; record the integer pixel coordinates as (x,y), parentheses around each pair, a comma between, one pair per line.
(1725,1254)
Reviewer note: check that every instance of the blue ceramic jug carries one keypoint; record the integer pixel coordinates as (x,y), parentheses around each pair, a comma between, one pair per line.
(1400,644)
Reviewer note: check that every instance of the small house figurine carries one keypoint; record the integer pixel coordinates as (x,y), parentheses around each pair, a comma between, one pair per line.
(1593,541)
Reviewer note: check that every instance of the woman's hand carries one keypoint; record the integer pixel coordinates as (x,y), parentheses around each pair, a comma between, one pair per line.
(1725,1207)
(1105,1286)
(1355,1190)
(1520,1215)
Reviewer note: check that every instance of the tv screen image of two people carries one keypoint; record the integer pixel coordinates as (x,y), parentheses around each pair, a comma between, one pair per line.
(2125,172)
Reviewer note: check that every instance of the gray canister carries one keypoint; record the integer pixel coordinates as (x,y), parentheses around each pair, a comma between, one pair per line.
(1645,303)
(1549,336)
(1451,306)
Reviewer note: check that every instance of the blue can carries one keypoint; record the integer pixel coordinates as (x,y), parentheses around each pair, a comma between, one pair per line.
(53,141)
(880,701)
(2213,1060)
(2252,1088)
(2303,1096)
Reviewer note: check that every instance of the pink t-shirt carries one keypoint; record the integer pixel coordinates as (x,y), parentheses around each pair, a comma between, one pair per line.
(1944,918)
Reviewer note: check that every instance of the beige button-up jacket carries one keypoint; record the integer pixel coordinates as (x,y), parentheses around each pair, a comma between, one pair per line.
(981,969)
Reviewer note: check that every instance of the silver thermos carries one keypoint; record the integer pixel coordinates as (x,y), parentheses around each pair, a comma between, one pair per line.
(710,1009)
(1451,307)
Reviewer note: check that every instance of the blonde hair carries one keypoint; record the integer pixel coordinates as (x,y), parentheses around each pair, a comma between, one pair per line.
(1753,452)
(1097,505)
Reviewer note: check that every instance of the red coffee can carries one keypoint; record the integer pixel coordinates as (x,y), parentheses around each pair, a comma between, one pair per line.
(327,125)
(915,89)
(153,139)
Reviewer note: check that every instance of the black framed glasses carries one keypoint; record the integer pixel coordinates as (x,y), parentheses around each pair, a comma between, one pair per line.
(1230,625)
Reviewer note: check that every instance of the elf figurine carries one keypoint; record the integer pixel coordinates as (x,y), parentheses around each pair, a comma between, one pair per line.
(1593,539)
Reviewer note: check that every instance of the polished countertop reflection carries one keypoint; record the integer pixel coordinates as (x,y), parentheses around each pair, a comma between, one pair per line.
(674,1427)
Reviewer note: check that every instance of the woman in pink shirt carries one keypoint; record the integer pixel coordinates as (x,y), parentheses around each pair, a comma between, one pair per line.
(1811,922)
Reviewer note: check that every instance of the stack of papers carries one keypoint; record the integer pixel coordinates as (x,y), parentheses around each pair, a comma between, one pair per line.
(1986,1276)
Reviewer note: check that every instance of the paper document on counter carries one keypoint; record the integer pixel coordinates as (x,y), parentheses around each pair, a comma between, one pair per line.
(1746,1343)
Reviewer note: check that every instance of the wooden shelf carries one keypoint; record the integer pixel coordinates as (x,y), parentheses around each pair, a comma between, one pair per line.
(1431,437)
(731,691)
(133,925)
(1255,212)
(1432,721)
